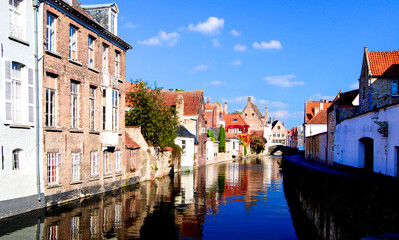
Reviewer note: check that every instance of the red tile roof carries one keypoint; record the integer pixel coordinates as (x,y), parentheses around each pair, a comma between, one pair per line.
(320,118)
(310,107)
(384,63)
(228,119)
(129,143)
(192,100)
(257,132)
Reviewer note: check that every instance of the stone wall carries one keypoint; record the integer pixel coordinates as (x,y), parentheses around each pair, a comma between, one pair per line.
(316,147)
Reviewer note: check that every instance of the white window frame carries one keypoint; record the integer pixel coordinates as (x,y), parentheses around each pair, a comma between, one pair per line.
(74,104)
(107,163)
(91,44)
(76,159)
(395,88)
(133,159)
(118,161)
(75,235)
(115,109)
(73,43)
(117,63)
(16,158)
(183,147)
(52,232)
(92,108)
(94,167)
(51,32)
(53,160)
(51,101)
(105,59)
(16,20)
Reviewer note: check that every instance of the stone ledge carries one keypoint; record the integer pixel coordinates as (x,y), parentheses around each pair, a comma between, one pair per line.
(93,69)
(75,62)
(19,40)
(54,54)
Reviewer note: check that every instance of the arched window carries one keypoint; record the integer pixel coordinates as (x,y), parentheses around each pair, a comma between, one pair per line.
(16,157)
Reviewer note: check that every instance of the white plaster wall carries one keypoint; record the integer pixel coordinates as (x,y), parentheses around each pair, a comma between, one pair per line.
(21,182)
(314,129)
(348,133)
(187,160)
(209,151)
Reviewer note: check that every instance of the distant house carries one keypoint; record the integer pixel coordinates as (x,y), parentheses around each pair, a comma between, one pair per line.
(190,110)
(368,137)
(278,133)
(297,137)
(186,141)
(253,117)
(235,125)
(214,113)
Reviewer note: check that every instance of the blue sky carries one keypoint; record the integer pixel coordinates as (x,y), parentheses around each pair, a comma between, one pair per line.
(278,52)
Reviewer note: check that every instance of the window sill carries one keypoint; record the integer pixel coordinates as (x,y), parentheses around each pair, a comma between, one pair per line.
(120,80)
(75,182)
(52,129)
(94,132)
(53,185)
(108,176)
(93,69)
(118,174)
(54,54)
(76,130)
(21,126)
(92,179)
(19,40)
(75,62)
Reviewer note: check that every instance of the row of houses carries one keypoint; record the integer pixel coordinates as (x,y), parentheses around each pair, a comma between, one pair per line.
(358,128)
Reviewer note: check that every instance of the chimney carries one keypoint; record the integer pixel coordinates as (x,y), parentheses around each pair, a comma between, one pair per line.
(170,90)
(208,100)
(316,110)
(180,108)
(266,113)
(321,105)
(225,107)
(270,120)
(249,99)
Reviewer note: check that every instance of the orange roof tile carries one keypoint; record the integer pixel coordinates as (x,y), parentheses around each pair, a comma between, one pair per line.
(192,100)
(310,107)
(384,63)
(229,119)
(320,118)
(130,143)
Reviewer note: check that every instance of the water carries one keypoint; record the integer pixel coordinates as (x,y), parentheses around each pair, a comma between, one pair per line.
(231,200)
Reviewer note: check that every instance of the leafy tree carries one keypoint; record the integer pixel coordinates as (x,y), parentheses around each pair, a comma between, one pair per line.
(236,112)
(179,90)
(257,143)
(222,139)
(211,135)
(157,120)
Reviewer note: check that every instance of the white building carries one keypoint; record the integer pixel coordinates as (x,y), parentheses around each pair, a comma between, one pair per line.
(20,169)
(186,141)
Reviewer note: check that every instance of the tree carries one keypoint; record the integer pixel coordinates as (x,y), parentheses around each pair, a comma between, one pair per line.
(222,139)
(236,112)
(257,143)
(157,120)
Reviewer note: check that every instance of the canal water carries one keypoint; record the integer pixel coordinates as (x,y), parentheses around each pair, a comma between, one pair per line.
(251,199)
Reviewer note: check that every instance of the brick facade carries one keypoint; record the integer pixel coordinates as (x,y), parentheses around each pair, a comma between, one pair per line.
(253,116)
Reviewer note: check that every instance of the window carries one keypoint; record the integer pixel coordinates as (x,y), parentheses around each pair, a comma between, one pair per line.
(51,37)
(73,33)
(115,103)
(245,114)
(52,167)
(16,156)
(235,120)
(278,127)
(94,163)
(278,134)
(395,88)
(133,159)
(75,228)
(51,93)
(234,145)
(74,104)
(94,223)
(282,134)
(75,169)
(92,107)
(183,147)
(118,215)
(240,130)
(107,163)
(253,114)
(117,58)
(274,135)
(112,25)
(13,92)
(16,18)
(91,51)
(118,161)
(105,59)
(52,232)
(104,117)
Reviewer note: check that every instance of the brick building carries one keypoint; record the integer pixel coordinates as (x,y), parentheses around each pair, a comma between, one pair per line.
(214,113)
(83,99)
(253,116)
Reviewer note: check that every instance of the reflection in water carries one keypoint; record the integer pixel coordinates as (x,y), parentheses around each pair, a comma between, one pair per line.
(232,200)
(336,207)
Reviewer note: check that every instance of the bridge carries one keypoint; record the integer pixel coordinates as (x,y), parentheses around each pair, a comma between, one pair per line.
(285,150)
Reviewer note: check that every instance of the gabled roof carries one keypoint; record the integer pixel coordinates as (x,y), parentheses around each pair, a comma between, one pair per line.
(344,99)
(320,118)
(384,63)
(192,100)
(310,108)
(234,119)
(130,143)
(183,132)
(257,132)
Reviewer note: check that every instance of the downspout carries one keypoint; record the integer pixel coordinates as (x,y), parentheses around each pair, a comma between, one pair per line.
(36,5)
(371,94)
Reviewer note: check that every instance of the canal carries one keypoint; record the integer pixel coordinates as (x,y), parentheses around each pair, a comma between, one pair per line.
(250,199)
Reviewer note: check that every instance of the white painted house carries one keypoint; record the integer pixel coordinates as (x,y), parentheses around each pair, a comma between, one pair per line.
(21,170)
(186,141)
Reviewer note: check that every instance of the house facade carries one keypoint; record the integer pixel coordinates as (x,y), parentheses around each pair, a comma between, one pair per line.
(368,137)
(214,113)
(186,141)
(278,133)
(253,116)
(20,143)
(83,103)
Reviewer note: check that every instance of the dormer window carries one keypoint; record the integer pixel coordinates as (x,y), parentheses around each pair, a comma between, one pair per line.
(235,120)
(104,14)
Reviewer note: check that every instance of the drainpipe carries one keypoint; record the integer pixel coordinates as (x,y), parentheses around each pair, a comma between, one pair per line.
(371,94)
(36,5)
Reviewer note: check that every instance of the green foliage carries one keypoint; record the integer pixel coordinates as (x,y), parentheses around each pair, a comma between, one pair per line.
(222,139)
(236,112)
(179,90)
(257,144)
(157,120)
(211,135)
(245,149)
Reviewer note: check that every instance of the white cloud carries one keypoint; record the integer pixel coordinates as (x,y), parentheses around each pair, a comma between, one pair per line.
(279,104)
(319,96)
(235,33)
(199,68)
(163,38)
(235,63)
(280,114)
(273,44)
(283,80)
(210,26)
(216,43)
(242,99)
(218,83)
(130,25)
(354,86)
(240,48)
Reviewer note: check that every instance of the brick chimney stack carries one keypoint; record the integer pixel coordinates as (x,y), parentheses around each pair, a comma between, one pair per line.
(180,108)
(225,107)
